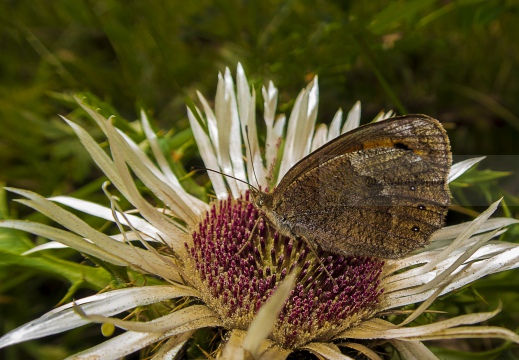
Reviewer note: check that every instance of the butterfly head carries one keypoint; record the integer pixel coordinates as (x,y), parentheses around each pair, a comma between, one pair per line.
(261,199)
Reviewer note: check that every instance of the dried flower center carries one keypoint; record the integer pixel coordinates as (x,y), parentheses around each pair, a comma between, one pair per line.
(239,259)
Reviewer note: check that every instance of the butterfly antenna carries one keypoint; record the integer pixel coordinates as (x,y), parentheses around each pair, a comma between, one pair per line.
(250,152)
(200,168)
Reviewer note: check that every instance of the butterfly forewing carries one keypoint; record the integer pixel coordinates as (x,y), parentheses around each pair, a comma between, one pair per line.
(379,190)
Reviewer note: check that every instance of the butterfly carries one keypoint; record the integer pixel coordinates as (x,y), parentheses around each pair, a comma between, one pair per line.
(379,190)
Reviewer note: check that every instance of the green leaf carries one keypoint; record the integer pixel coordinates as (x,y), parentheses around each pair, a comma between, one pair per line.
(444,353)
(14,243)
(396,13)
(475,176)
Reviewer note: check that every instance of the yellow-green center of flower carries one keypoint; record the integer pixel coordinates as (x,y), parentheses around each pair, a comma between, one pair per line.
(238,259)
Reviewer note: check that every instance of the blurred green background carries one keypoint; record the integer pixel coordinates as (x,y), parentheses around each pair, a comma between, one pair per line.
(453,60)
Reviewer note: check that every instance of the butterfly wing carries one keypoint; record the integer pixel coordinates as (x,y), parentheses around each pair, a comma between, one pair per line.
(380,190)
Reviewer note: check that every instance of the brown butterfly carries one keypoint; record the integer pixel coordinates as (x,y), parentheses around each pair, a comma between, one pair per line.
(379,190)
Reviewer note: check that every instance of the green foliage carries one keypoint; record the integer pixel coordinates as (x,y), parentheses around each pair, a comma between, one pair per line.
(478,187)
(10,257)
(451,60)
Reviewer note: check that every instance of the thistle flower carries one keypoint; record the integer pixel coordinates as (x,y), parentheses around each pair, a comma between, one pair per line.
(224,266)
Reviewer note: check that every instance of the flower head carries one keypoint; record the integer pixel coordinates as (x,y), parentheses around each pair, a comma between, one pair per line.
(225,265)
(239,260)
